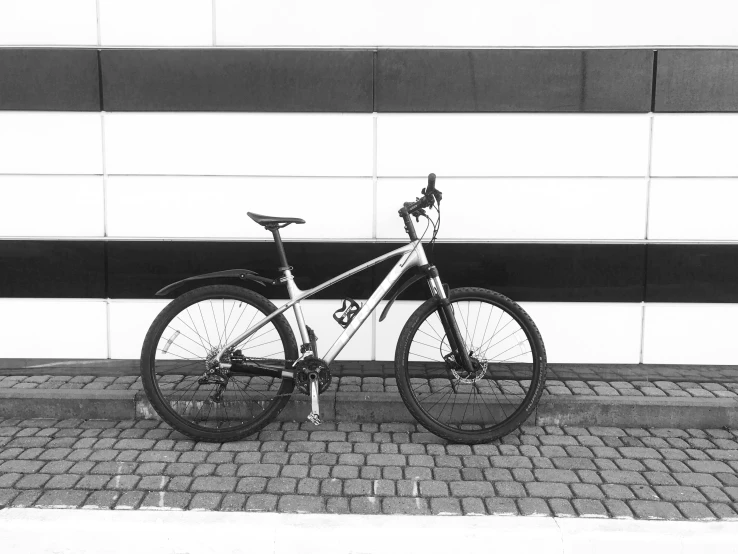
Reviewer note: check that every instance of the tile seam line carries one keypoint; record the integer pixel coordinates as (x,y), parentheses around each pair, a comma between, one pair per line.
(625,47)
(368,240)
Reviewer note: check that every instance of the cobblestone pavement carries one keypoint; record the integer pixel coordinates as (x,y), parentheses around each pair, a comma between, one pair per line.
(379,384)
(369,468)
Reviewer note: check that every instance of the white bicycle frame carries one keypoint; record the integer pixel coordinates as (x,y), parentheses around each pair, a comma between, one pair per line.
(412,255)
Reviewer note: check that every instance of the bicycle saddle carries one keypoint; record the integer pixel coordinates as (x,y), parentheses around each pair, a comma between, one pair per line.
(270,220)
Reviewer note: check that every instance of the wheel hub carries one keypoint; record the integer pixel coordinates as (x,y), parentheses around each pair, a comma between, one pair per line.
(467,377)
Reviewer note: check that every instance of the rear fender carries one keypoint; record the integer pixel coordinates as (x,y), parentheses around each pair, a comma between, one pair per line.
(243,274)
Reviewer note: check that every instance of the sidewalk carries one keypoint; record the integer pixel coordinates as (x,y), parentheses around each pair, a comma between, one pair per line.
(370,468)
(365,392)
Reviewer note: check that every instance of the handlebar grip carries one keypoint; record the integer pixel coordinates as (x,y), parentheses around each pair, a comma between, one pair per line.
(431,183)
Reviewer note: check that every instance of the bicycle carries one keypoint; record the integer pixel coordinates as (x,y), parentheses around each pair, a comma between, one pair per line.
(214,377)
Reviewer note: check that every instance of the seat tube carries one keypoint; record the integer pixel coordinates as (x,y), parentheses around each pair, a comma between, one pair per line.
(290,282)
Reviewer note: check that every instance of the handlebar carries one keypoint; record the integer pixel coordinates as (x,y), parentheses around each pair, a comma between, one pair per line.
(430,196)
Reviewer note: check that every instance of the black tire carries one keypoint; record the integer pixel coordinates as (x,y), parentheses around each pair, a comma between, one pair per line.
(485,405)
(174,355)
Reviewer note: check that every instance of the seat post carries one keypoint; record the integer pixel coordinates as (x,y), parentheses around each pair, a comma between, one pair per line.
(280,247)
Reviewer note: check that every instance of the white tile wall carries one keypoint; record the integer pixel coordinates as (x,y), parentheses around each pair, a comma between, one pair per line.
(691,145)
(476,23)
(48,22)
(179,206)
(52,328)
(50,142)
(318,314)
(130,320)
(522,209)
(239,144)
(512,145)
(693,209)
(51,206)
(588,332)
(156,22)
(388,331)
(690,334)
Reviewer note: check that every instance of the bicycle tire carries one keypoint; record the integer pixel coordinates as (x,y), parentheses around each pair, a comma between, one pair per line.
(435,378)
(251,407)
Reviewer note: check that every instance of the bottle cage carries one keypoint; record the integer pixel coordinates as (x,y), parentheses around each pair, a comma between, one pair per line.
(346,312)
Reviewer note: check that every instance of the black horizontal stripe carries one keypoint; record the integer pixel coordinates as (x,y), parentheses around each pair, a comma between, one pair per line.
(697,81)
(545,272)
(137,269)
(692,273)
(391,80)
(514,80)
(54,79)
(237,80)
(52,269)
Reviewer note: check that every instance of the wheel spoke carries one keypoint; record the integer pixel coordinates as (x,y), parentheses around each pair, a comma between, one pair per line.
(491,400)
(232,404)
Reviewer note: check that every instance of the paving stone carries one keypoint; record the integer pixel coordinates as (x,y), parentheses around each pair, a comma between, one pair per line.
(648,509)
(623,477)
(548,490)
(101,500)
(475,474)
(93,482)
(122,482)
(587,507)
(365,505)
(302,504)
(419,473)
(695,510)
(308,486)
(166,500)
(561,508)
(724,511)
(357,487)
(206,501)
(26,499)
(510,489)
(471,488)
(337,505)
(501,506)
(261,503)
(618,509)
(533,507)
(62,499)
(445,506)
(436,488)
(153,483)
(680,494)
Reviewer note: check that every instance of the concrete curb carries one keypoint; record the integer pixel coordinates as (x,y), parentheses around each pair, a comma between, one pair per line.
(83,531)
(380,407)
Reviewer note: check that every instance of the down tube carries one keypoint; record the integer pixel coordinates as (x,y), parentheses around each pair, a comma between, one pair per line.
(412,259)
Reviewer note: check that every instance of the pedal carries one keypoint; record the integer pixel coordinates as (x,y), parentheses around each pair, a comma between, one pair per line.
(346,312)
(314,418)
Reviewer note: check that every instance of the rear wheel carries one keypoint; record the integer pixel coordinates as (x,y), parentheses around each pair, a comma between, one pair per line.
(508,359)
(184,338)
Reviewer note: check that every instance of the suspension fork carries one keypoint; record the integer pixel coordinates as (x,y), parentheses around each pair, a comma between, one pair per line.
(446,313)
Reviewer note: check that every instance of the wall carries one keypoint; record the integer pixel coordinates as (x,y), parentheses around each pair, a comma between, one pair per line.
(586,160)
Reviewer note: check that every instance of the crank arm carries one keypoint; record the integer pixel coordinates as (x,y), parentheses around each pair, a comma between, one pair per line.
(314,416)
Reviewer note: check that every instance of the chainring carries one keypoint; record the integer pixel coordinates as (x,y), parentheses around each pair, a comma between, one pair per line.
(309,365)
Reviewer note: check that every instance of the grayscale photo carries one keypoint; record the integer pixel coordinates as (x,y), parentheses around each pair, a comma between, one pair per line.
(368,277)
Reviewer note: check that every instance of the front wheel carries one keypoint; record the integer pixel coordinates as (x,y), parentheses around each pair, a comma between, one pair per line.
(508,367)
(224,405)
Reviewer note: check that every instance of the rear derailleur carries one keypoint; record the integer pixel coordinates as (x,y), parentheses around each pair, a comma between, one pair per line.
(216,375)
(313,377)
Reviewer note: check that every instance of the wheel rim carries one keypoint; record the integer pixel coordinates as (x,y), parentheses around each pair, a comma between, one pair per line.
(190,339)
(506,368)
